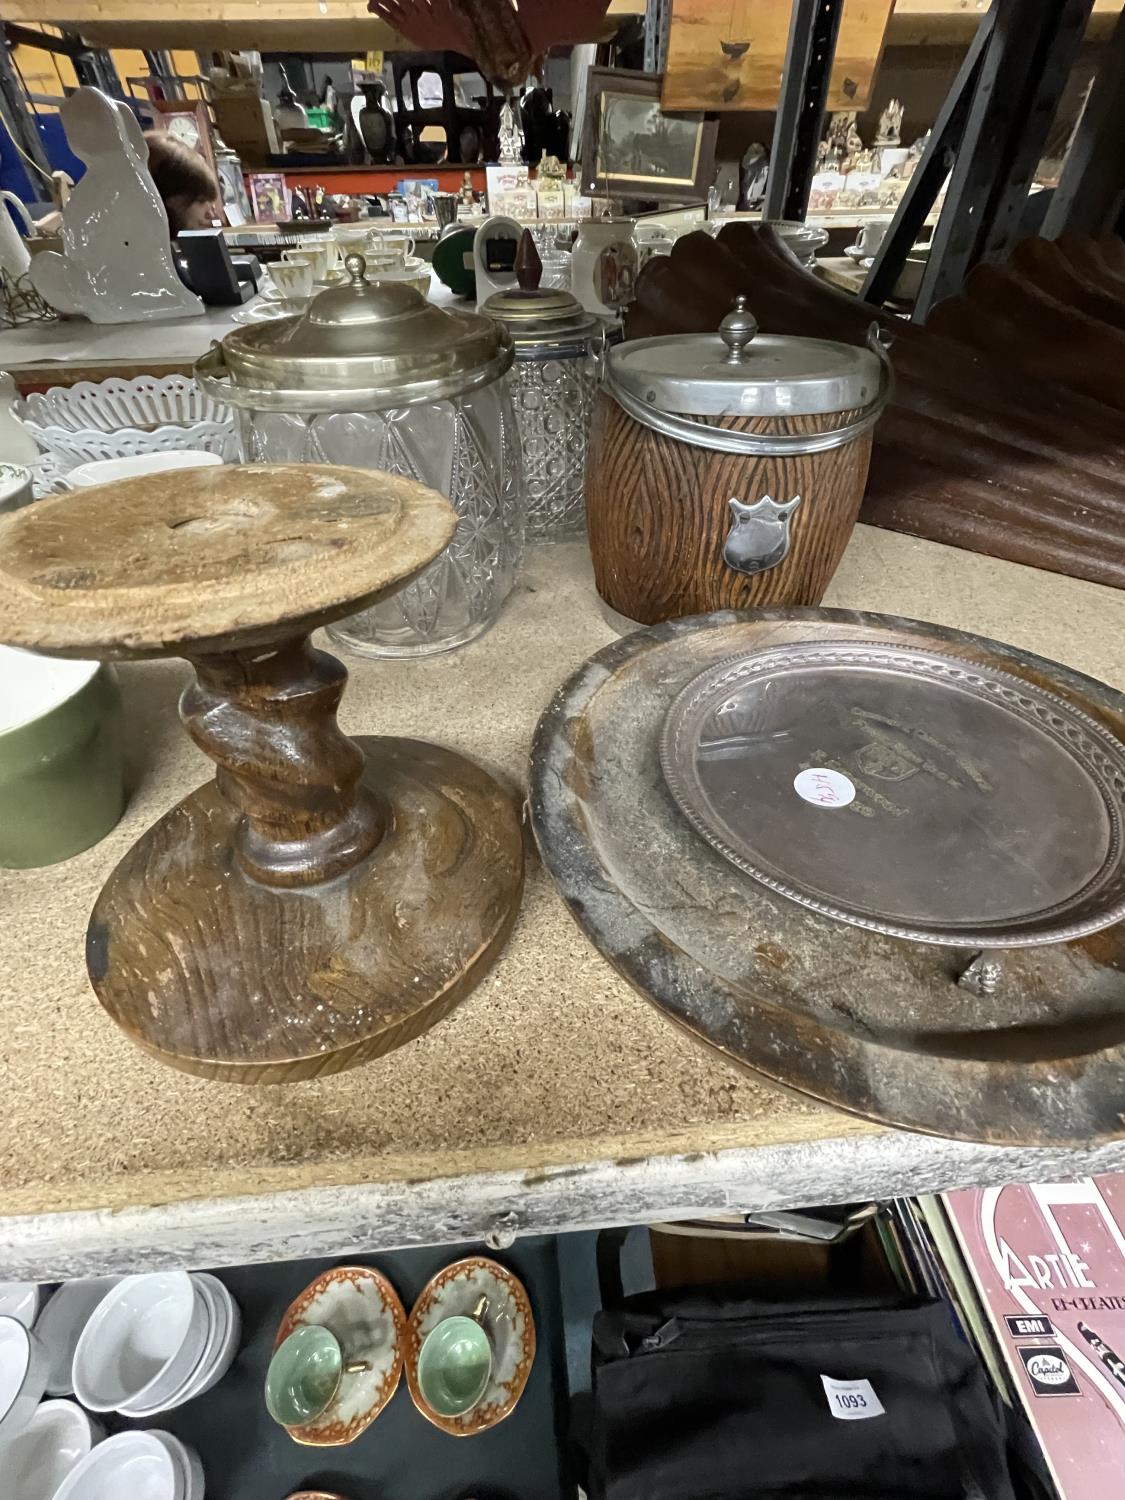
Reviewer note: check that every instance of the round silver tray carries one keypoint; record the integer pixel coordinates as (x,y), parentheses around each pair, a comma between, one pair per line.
(857,1017)
(905,790)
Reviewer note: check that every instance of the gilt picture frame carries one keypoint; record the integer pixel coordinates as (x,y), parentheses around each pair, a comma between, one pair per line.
(269,196)
(631,148)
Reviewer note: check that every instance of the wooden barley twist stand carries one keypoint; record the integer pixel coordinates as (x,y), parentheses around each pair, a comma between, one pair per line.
(323,899)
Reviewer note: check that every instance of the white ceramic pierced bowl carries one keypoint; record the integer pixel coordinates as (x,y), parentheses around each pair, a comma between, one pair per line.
(116,418)
(145,402)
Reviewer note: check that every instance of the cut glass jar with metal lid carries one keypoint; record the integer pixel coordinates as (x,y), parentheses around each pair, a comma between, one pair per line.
(373,375)
(727,469)
(554,381)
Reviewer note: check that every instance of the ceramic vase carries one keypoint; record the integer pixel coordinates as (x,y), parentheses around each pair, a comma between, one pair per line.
(376,123)
(604,265)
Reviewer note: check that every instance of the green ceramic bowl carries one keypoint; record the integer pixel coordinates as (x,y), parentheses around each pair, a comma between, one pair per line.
(454,1366)
(304,1375)
(62,784)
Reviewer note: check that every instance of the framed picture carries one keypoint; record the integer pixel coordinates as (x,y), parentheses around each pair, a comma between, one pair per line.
(236,200)
(632,149)
(730,54)
(269,197)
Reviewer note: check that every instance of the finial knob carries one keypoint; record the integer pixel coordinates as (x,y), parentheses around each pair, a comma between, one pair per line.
(528,265)
(356,267)
(737,329)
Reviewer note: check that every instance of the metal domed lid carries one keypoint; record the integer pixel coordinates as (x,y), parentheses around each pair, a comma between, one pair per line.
(739,371)
(539,318)
(363,343)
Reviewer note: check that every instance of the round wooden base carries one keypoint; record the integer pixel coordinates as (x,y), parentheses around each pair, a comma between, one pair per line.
(230,979)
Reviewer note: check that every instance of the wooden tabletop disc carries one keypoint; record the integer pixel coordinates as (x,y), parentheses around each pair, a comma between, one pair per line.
(196,560)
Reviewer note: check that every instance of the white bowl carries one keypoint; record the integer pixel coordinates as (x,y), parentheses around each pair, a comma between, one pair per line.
(20,1299)
(112,418)
(61,1323)
(23,1375)
(110,470)
(109,406)
(187,1464)
(57,1438)
(129,1466)
(143,1340)
(32,686)
(219,1350)
(228,1319)
(73,448)
(218,1356)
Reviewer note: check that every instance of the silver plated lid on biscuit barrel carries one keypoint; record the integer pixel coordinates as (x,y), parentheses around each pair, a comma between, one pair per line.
(359,345)
(543,321)
(738,371)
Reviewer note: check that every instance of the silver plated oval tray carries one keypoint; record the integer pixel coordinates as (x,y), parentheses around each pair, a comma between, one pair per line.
(843,1013)
(905,790)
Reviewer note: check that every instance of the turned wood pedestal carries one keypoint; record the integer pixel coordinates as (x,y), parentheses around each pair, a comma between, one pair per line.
(323,899)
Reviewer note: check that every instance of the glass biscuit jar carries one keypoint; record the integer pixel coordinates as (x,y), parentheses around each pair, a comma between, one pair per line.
(554,381)
(372,375)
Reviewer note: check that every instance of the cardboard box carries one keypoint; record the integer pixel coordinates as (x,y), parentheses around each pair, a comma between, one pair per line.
(520,204)
(500,180)
(246,124)
(577,205)
(551,203)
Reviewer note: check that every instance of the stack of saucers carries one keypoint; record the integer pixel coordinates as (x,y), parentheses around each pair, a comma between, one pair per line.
(155,1342)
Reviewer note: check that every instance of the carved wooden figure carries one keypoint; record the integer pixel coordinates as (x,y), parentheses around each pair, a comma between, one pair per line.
(323,899)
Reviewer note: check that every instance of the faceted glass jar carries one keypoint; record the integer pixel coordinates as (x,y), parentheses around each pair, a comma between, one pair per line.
(554,401)
(371,375)
(467,447)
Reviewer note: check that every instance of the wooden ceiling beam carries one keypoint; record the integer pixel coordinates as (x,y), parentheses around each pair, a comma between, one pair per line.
(90,13)
(343,26)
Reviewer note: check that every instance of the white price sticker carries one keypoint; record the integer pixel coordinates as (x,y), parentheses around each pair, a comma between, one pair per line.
(851,1400)
(824,787)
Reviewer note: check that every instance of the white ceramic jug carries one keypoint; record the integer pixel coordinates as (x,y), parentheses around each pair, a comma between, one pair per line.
(14,255)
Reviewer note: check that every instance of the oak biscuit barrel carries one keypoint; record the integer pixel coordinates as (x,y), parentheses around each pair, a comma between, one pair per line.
(726,471)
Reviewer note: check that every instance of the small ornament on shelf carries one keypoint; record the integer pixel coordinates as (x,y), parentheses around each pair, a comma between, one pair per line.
(754,171)
(844,141)
(890,125)
(511,136)
(916,150)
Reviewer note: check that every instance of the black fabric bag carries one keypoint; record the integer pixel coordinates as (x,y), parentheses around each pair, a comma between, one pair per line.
(709,1394)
